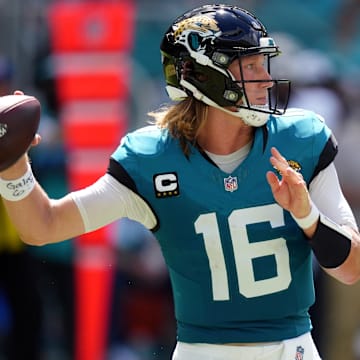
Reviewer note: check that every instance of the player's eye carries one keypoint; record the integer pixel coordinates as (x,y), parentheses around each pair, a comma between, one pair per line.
(249,66)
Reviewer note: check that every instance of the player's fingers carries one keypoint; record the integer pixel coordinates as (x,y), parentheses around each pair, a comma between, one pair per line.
(36,141)
(295,177)
(288,174)
(278,161)
(273,181)
(280,164)
(276,154)
(18,92)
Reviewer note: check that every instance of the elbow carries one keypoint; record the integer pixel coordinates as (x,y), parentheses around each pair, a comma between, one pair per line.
(345,276)
(348,273)
(350,279)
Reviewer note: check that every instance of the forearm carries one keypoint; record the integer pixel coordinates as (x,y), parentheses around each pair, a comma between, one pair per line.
(349,271)
(326,192)
(336,247)
(38,219)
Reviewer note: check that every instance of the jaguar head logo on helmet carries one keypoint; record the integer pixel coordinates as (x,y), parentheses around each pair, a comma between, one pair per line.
(198,49)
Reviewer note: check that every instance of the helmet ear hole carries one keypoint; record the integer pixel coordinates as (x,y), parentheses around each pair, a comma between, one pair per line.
(201,77)
(187,69)
(190,71)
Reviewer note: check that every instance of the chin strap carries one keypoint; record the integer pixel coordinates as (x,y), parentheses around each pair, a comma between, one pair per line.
(253,117)
(248,116)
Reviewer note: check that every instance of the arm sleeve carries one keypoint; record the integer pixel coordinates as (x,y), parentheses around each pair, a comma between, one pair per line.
(107,200)
(326,193)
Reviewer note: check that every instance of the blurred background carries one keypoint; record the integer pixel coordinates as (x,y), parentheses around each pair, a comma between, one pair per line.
(95,66)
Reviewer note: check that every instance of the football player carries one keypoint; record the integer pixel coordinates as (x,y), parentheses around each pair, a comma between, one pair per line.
(238,193)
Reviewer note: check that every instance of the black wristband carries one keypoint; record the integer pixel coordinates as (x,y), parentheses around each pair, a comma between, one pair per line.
(331,244)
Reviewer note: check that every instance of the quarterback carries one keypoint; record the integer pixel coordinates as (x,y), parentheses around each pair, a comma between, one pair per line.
(239,193)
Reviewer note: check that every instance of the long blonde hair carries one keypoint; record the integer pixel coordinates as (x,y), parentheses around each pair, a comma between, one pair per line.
(183,121)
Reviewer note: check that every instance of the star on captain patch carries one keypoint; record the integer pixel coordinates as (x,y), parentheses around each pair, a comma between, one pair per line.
(231,183)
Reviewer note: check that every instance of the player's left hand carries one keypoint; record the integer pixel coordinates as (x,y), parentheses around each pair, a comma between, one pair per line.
(290,191)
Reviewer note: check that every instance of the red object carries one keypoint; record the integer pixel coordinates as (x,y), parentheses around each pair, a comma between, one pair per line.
(87,86)
(90,42)
(92,76)
(92,126)
(86,166)
(89,83)
(92,26)
(94,275)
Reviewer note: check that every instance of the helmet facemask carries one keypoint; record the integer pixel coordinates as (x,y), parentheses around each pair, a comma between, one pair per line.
(277,96)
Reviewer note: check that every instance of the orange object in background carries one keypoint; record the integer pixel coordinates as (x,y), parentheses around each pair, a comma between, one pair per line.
(85,166)
(91,42)
(93,279)
(92,76)
(86,86)
(94,124)
(92,26)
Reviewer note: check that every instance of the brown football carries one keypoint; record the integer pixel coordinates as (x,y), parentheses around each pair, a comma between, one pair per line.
(19,122)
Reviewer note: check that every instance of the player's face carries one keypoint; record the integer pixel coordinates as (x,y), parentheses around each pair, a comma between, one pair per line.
(253,67)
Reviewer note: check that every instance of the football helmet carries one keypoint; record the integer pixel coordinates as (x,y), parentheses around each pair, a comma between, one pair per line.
(197,50)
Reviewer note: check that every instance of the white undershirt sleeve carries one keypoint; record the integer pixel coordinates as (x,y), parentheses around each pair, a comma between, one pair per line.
(108,200)
(326,193)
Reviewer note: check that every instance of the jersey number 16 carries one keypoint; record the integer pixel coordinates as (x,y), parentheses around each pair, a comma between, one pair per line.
(245,251)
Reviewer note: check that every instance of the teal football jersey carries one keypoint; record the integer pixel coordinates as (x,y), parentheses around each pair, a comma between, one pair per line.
(240,267)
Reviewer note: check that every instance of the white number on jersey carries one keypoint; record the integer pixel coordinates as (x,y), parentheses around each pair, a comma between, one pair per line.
(245,252)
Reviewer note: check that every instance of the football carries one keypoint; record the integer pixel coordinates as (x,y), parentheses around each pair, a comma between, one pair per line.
(19,122)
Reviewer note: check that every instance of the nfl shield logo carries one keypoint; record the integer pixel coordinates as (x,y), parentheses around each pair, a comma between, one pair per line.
(230,183)
(299,353)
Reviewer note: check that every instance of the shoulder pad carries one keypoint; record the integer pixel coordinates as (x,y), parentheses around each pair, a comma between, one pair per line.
(145,141)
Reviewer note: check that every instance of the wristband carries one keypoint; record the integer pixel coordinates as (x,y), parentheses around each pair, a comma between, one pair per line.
(17,189)
(331,243)
(308,220)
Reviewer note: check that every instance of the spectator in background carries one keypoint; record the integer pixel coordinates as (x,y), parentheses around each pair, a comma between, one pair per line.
(18,275)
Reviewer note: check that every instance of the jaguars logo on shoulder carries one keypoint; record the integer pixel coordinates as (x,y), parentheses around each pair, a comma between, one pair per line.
(293,164)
